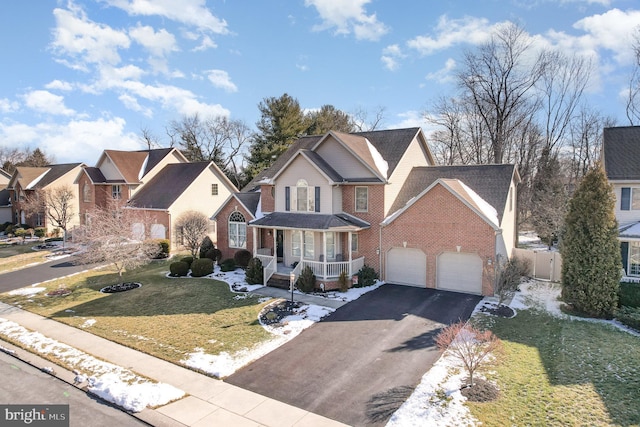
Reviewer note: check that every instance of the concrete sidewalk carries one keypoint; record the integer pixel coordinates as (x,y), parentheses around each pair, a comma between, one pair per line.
(304,298)
(209,402)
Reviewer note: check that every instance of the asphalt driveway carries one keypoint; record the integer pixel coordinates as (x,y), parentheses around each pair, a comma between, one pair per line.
(360,363)
(41,273)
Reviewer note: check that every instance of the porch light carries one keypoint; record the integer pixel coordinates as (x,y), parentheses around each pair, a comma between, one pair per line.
(292,278)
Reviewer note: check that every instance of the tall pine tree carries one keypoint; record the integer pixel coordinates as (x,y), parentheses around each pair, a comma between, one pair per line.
(282,122)
(591,260)
(548,199)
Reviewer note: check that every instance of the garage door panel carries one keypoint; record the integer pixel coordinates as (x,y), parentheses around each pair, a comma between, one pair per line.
(460,272)
(407,266)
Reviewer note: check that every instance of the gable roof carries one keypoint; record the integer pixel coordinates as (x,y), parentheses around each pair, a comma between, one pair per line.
(133,165)
(165,188)
(621,151)
(392,144)
(362,149)
(490,182)
(5,173)
(57,171)
(310,221)
(39,177)
(250,200)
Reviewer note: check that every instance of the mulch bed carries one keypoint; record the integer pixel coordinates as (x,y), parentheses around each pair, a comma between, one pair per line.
(498,310)
(481,391)
(120,287)
(273,314)
(60,292)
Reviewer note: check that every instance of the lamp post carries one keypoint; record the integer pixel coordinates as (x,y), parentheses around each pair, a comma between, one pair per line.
(292,278)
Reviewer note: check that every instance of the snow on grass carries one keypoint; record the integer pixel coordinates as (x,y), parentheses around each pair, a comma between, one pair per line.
(88,323)
(224,364)
(106,380)
(28,291)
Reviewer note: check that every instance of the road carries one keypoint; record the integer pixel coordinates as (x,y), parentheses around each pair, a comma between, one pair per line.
(41,273)
(24,384)
(359,364)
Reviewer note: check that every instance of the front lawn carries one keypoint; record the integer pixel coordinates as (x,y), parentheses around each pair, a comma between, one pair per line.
(167,318)
(13,257)
(558,371)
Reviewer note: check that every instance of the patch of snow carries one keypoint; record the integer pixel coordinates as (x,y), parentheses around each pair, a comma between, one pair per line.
(488,210)
(27,291)
(111,382)
(351,294)
(88,323)
(380,162)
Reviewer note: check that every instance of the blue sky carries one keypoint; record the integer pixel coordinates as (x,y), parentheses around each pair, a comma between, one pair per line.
(81,76)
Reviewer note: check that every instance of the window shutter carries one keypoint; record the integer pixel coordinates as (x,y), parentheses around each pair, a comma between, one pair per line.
(624,250)
(287,198)
(625,199)
(317,199)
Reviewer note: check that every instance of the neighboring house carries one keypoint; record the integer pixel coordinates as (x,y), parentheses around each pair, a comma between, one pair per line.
(5,197)
(119,174)
(338,201)
(181,187)
(621,154)
(24,183)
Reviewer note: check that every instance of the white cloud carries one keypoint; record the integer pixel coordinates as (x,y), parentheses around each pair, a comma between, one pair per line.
(131,103)
(451,32)
(190,12)
(74,141)
(7,106)
(409,119)
(207,43)
(44,101)
(348,16)
(391,55)
(444,74)
(221,79)
(86,41)
(159,43)
(59,85)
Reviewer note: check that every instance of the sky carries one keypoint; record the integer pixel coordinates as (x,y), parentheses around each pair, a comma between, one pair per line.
(82,76)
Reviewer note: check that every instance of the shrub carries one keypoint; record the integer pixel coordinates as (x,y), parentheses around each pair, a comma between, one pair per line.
(20,232)
(242,258)
(214,254)
(307,280)
(228,264)
(9,229)
(254,272)
(56,232)
(343,282)
(629,294)
(629,316)
(201,267)
(40,232)
(3,227)
(509,279)
(205,246)
(367,276)
(188,260)
(179,269)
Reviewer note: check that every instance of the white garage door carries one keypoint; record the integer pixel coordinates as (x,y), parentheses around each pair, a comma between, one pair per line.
(459,272)
(407,266)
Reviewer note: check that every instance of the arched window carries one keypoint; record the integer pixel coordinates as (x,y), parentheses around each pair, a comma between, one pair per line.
(237,231)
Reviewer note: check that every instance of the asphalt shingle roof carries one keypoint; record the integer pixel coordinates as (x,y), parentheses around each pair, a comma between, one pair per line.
(165,188)
(491,182)
(55,172)
(310,221)
(621,152)
(250,200)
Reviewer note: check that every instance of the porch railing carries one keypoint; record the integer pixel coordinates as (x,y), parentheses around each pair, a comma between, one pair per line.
(328,270)
(269,265)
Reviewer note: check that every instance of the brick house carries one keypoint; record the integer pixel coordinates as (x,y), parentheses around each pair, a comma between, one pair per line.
(26,181)
(5,197)
(338,201)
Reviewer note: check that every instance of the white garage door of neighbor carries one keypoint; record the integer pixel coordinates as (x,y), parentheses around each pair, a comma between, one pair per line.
(459,272)
(407,266)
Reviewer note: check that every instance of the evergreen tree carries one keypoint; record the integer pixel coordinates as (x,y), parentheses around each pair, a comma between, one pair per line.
(282,122)
(548,199)
(591,260)
(329,118)
(36,158)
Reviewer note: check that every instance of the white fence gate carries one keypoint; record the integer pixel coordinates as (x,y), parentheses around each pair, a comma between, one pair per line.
(543,264)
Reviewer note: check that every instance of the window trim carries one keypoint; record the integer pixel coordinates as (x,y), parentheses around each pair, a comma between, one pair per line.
(355,242)
(235,226)
(355,199)
(214,189)
(116,191)
(86,193)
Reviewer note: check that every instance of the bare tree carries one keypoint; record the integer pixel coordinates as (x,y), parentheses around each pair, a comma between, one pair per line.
(499,77)
(56,204)
(10,157)
(148,138)
(366,121)
(633,96)
(192,226)
(116,234)
(469,345)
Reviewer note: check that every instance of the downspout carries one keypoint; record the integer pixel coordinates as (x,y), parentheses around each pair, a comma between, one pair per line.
(380,250)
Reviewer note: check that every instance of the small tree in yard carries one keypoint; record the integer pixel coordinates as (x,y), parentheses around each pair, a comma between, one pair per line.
(55,203)
(591,259)
(115,235)
(509,278)
(193,226)
(469,345)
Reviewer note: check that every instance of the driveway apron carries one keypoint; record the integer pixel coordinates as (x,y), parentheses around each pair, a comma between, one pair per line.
(360,363)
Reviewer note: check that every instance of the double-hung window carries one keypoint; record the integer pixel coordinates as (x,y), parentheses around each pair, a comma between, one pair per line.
(302,242)
(116,191)
(362,199)
(237,231)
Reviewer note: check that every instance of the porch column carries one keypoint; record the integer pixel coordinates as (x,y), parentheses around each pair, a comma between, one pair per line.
(255,240)
(349,250)
(275,245)
(324,251)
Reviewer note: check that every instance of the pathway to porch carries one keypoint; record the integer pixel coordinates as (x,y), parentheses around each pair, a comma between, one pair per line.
(303,298)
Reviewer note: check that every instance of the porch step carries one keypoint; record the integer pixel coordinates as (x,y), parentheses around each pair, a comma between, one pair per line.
(278,281)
